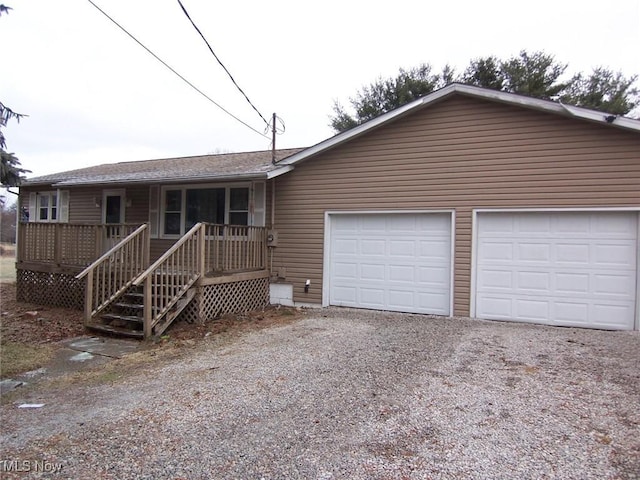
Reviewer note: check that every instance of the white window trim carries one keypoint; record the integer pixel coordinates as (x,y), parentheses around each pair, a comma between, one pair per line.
(50,195)
(183,203)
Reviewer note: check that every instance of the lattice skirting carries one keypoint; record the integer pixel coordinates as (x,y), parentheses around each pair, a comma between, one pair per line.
(211,301)
(52,289)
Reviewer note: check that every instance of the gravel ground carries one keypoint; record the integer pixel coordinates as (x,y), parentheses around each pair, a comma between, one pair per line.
(352,394)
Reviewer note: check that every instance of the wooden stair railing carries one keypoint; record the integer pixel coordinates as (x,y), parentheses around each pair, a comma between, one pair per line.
(109,277)
(168,281)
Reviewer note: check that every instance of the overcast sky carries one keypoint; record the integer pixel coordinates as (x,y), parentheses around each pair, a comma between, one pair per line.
(94,96)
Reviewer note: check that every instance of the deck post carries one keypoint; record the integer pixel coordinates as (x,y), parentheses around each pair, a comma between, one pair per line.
(88,299)
(57,243)
(98,232)
(148,314)
(201,250)
(147,250)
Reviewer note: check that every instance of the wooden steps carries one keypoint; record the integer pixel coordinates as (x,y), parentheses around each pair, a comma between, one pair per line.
(125,315)
(125,332)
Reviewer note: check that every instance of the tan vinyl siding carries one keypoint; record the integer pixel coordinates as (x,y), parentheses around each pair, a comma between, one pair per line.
(460,154)
(82,205)
(137,210)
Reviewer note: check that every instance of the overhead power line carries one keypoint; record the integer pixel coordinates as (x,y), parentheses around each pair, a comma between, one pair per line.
(175,72)
(221,64)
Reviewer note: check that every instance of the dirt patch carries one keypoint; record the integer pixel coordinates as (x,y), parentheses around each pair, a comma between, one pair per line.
(34,324)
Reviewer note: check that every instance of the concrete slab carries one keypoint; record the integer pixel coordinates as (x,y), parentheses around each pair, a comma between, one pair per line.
(8,385)
(76,354)
(108,347)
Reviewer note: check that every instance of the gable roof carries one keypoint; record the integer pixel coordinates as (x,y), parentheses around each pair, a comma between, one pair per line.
(226,166)
(613,121)
(258,165)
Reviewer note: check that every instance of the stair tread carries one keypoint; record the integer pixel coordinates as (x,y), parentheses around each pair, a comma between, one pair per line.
(128,318)
(136,306)
(118,330)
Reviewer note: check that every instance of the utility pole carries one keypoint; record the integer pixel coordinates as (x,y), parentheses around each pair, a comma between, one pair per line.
(273,139)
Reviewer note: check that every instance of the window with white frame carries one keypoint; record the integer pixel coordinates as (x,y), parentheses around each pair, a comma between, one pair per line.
(48,206)
(182,208)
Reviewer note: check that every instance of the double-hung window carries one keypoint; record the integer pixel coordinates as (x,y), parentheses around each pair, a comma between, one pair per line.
(184,207)
(48,206)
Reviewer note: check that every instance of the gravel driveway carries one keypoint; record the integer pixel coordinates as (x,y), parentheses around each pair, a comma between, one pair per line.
(354,394)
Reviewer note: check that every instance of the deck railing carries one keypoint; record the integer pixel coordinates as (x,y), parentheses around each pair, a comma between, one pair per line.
(68,244)
(169,277)
(111,274)
(231,248)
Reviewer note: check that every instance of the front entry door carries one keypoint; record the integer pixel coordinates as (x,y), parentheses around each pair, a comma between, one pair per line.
(113,205)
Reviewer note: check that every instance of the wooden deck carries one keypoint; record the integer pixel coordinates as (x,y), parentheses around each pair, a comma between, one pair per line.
(112,263)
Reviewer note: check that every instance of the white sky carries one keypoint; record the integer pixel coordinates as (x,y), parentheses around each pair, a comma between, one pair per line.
(94,96)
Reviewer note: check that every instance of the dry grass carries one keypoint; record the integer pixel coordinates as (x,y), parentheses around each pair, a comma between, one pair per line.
(7,263)
(18,357)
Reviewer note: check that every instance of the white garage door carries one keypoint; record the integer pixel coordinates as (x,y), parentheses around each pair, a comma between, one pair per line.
(399,262)
(559,268)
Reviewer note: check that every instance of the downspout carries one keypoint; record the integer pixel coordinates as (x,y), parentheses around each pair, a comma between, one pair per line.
(273,218)
(273,203)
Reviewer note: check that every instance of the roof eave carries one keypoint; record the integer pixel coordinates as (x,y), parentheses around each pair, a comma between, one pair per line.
(123,181)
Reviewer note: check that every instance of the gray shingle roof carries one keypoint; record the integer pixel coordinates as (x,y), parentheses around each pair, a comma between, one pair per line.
(224,166)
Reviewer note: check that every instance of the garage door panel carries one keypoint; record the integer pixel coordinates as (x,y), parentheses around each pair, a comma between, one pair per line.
(537,281)
(577,226)
(346,246)
(532,309)
(434,275)
(534,252)
(572,253)
(402,273)
(437,303)
(614,254)
(371,297)
(495,251)
(610,315)
(371,224)
(402,223)
(500,307)
(497,227)
(398,299)
(402,248)
(616,225)
(372,247)
(572,283)
(609,284)
(575,313)
(344,296)
(496,279)
(371,272)
(403,261)
(435,249)
(536,225)
(346,271)
(343,225)
(580,271)
(434,224)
